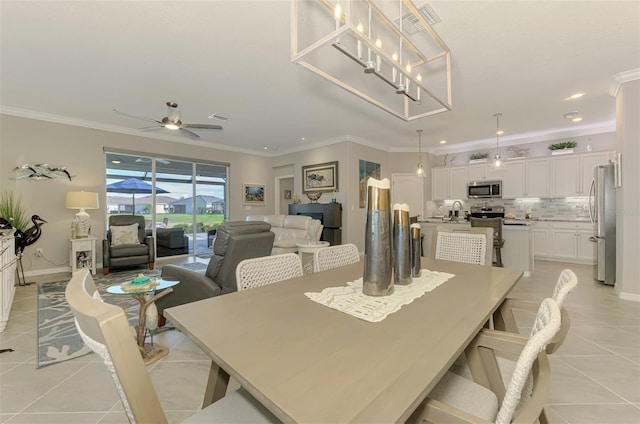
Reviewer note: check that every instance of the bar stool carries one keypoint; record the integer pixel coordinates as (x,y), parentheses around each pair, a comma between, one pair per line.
(498,241)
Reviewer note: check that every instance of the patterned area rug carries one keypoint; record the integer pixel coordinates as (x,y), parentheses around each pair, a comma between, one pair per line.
(58,339)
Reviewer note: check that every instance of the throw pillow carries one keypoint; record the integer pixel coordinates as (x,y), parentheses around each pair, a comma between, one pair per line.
(124,234)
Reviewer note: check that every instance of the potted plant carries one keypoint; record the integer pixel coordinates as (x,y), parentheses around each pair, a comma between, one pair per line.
(11,209)
(478,157)
(562,148)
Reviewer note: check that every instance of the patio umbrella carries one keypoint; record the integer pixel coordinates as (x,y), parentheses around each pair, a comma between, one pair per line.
(133,186)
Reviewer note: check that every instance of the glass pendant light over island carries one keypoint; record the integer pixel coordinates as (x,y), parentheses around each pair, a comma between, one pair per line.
(498,163)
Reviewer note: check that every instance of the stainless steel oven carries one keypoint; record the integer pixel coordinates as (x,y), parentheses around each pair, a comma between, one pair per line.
(484,189)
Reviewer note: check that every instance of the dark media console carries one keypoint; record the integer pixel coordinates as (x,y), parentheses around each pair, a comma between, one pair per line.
(329,214)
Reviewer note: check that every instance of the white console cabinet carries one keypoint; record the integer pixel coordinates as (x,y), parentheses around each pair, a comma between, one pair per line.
(8,262)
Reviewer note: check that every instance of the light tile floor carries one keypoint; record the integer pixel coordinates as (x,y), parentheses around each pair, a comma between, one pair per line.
(596,373)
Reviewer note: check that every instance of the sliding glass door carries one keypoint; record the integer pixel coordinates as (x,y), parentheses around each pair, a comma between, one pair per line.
(183,201)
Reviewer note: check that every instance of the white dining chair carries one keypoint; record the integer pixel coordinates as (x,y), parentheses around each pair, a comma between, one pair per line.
(486,400)
(463,244)
(335,256)
(257,272)
(504,318)
(104,328)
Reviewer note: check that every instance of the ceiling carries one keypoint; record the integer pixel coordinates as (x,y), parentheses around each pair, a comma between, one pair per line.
(74,62)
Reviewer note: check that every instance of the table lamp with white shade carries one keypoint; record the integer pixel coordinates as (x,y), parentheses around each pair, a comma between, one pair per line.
(82,200)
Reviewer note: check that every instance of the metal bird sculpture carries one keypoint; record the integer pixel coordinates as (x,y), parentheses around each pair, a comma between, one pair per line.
(24,239)
(30,235)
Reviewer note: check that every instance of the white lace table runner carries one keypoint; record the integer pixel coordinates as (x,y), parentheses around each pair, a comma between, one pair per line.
(350,299)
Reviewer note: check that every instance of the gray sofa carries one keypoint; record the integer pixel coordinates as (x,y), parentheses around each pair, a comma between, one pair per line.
(127,254)
(235,241)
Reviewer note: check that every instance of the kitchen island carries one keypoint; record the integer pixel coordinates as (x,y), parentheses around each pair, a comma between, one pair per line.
(518,249)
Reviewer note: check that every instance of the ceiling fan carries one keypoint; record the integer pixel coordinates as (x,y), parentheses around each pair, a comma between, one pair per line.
(172,122)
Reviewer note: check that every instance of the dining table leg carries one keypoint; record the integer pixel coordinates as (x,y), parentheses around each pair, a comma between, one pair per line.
(216,385)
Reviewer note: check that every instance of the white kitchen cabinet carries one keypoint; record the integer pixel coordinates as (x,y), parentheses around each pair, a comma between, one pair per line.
(525,178)
(537,177)
(449,183)
(572,174)
(570,242)
(440,183)
(542,240)
(458,180)
(514,179)
(483,172)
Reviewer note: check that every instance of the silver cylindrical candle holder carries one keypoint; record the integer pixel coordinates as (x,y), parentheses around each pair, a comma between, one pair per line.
(377,278)
(401,245)
(416,250)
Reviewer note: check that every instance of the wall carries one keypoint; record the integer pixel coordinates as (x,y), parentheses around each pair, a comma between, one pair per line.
(348,155)
(628,195)
(80,150)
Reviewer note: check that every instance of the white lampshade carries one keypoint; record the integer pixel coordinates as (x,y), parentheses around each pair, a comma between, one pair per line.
(82,200)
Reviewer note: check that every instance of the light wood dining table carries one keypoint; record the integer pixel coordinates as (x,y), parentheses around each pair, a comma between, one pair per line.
(308,363)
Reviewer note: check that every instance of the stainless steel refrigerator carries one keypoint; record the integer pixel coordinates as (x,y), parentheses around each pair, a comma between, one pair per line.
(602,210)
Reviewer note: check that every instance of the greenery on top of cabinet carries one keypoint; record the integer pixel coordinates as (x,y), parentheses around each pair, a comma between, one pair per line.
(479,155)
(563,145)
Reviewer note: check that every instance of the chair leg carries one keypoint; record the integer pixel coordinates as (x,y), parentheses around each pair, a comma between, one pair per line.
(151,265)
(499,257)
(105,270)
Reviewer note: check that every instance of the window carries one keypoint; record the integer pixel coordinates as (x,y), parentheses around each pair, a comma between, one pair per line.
(189,200)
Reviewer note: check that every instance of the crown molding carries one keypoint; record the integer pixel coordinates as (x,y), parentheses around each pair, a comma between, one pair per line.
(621,78)
(65,120)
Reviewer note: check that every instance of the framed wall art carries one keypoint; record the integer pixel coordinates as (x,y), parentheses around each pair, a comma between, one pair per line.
(253,194)
(367,170)
(320,178)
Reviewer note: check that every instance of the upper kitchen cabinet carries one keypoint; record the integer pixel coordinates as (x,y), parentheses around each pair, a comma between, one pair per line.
(525,178)
(572,175)
(483,172)
(449,182)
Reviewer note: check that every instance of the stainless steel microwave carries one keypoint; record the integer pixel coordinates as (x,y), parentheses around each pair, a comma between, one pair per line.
(484,189)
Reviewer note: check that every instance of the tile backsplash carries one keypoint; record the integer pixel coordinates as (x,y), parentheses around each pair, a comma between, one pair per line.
(569,208)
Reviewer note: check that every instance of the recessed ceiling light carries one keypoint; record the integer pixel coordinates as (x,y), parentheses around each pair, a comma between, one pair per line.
(443,141)
(570,115)
(577,119)
(575,96)
(500,132)
(302,138)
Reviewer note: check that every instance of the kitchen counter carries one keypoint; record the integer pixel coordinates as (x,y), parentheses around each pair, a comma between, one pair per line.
(517,252)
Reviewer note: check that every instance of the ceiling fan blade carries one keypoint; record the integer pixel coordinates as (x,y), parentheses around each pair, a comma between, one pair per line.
(144,118)
(151,128)
(202,126)
(215,115)
(189,134)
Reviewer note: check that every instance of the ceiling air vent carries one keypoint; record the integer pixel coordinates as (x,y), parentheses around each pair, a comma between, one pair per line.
(410,24)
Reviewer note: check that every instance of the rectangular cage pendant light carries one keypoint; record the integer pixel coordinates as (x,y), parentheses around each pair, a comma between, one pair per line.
(384,52)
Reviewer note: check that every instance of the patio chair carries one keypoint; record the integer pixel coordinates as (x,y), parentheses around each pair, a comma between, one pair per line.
(462,244)
(105,330)
(486,400)
(335,256)
(257,272)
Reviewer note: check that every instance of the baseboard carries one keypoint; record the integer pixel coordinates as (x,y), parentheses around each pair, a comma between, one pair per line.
(37,272)
(634,297)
